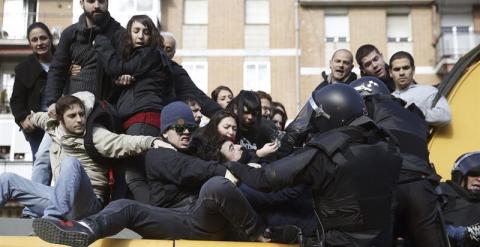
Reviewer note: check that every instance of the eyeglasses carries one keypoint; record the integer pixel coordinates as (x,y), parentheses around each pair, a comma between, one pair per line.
(181,128)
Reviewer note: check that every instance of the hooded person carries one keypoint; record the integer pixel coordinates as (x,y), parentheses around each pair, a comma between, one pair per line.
(81,184)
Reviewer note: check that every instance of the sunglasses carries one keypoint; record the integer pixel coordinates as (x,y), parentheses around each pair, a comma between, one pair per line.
(181,128)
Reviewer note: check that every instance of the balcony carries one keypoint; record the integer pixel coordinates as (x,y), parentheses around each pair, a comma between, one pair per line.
(453,43)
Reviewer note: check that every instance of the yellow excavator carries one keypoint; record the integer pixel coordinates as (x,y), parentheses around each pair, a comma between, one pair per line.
(461,87)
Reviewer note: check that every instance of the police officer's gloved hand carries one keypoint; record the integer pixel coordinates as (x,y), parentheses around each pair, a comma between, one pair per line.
(472,233)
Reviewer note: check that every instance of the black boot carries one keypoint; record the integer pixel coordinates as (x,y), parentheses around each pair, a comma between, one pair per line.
(287,234)
(66,232)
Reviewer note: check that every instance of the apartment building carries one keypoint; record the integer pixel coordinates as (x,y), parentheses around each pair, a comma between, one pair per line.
(278,46)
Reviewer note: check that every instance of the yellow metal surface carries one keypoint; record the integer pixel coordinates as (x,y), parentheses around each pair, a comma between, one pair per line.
(6,241)
(190,243)
(463,134)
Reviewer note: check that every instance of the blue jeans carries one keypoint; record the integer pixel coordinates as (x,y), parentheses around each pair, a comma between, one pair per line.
(41,170)
(71,198)
(34,138)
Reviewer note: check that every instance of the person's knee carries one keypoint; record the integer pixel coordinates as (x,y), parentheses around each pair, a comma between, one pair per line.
(8,177)
(219,186)
(70,164)
(122,203)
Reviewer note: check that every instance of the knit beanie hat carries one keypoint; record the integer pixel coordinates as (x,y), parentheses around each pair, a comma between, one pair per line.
(176,113)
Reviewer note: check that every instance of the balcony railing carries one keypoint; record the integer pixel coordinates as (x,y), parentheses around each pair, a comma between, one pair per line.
(455,42)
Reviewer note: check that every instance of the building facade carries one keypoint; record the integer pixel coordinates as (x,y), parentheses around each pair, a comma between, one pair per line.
(278,46)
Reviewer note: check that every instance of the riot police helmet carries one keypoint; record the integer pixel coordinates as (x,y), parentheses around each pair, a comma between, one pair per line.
(334,106)
(466,165)
(369,85)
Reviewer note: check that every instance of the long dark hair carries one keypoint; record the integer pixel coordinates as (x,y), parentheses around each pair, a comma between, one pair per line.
(217,90)
(211,129)
(250,100)
(44,27)
(156,40)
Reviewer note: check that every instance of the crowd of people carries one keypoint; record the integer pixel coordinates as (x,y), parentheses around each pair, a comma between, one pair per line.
(119,128)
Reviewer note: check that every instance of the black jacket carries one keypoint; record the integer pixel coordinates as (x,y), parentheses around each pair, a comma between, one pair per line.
(183,85)
(409,128)
(175,177)
(30,79)
(76,47)
(149,67)
(351,77)
(257,136)
(461,208)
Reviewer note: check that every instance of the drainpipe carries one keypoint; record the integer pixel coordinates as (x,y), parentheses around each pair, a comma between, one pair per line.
(297,56)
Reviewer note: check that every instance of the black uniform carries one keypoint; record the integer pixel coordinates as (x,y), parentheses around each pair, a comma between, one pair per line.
(353,172)
(461,210)
(417,214)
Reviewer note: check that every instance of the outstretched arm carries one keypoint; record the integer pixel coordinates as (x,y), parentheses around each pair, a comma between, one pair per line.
(276,175)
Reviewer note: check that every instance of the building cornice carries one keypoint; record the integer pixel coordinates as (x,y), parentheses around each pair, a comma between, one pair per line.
(387,3)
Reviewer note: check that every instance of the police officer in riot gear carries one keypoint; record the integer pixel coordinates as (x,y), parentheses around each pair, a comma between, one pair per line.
(462,201)
(351,165)
(418,218)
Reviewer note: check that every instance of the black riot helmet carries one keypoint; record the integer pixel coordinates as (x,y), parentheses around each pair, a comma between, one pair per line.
(466,165)
(369,85)
(334,106)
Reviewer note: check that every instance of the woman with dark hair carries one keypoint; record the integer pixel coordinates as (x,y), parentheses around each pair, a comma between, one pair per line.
(30,80)
(222,95)
(254,133)
(279,118)
(144,88)
(224,124)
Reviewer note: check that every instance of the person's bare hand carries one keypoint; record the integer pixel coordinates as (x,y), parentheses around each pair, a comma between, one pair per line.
(157,143)
(27,124)
(75,69)
(124,80)
(52,113)
(267,149)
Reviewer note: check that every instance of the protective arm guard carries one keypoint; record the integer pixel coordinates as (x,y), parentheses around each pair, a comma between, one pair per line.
(277,175)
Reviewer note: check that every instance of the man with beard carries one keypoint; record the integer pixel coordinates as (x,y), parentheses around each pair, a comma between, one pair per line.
(341,66)
(76,49)
(462,201)
(371,63)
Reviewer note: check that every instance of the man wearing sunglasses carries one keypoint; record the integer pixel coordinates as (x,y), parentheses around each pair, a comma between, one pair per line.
(193,198)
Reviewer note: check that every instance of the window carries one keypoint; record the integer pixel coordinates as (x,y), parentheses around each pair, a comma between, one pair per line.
(121,10)
(17,16)
(198,71)
(195,28)
(398,28)
(195,37)
(257,36)
(337,28)
(257,19)
(7,77)
(256,76)
(196,12)
(257,12)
